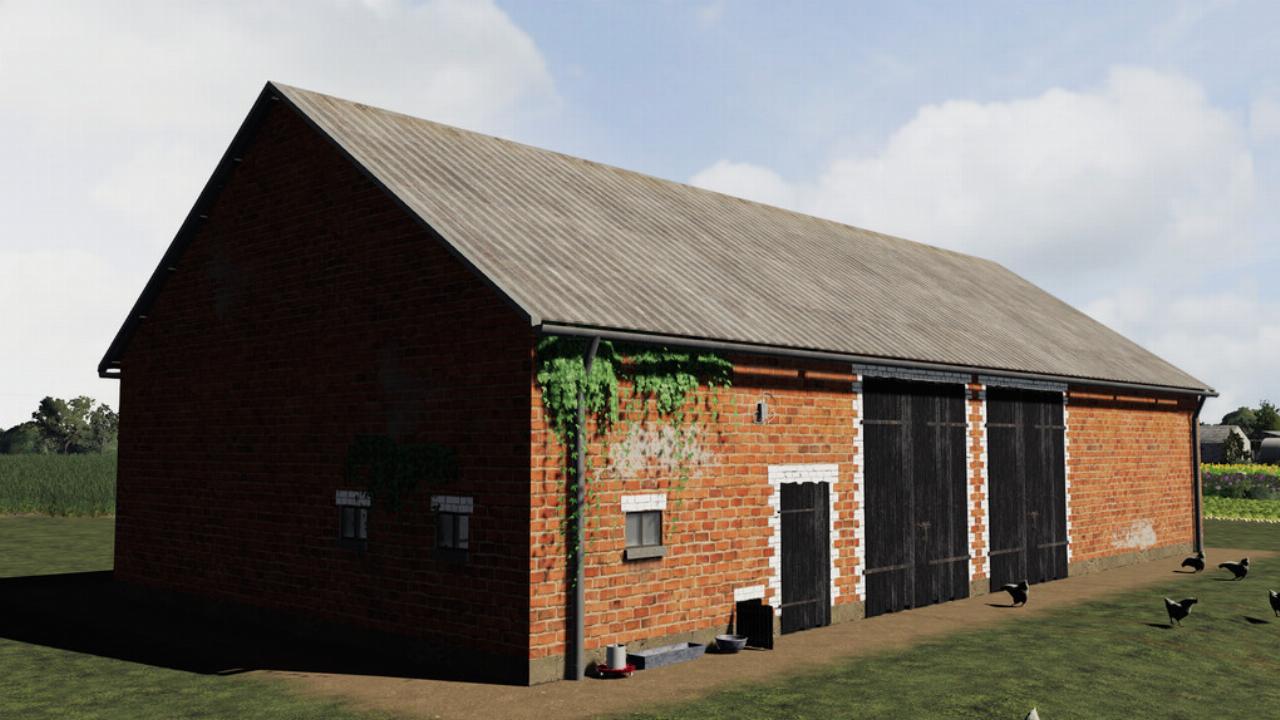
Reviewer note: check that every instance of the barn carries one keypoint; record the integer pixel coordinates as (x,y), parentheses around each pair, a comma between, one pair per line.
(358,390)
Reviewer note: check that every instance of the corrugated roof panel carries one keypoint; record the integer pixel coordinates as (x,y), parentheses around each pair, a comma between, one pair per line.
(580,243)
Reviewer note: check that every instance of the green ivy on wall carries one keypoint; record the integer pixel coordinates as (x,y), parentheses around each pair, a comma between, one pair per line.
(664,379)
(391,470)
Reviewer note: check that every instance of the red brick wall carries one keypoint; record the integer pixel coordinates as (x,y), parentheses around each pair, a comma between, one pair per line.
(307,310)
(716,529)
(1130,473)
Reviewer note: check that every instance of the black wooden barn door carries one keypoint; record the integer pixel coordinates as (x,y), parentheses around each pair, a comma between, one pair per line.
(806,556)
(1027,486)
(916,494)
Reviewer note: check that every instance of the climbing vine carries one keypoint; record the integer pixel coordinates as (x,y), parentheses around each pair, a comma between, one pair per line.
(391,470)
(664,379)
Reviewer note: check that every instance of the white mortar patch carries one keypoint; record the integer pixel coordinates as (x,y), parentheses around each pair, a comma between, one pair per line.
(1140,534)
(754,592)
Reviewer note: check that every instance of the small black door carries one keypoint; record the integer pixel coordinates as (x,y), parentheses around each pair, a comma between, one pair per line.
(806,556)
(1027,486)
(916,494)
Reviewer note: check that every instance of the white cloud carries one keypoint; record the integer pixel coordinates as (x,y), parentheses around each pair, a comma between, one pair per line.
(1229,339)
(114,115)
(1140,169)
(1264,119)
(748,181)
(711,13)
(1121,198)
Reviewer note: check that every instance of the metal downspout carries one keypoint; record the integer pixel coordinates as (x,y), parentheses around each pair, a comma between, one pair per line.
(1196,489)
(580,474)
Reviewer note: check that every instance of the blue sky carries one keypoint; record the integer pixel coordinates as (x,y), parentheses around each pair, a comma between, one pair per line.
(1124,156)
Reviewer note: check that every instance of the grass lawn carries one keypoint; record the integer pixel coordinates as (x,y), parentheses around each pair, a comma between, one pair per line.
(37,681)
(1106,659)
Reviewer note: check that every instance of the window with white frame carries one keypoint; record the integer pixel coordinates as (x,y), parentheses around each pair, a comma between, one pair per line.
(353,516)
(643,515)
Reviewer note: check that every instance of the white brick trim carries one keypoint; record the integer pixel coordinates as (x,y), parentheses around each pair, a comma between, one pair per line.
(1022,383)
(898,373)
(349,498)
(859,511)
(641,503)
(778,474)
(462,504)
(753,592)
(1066,471)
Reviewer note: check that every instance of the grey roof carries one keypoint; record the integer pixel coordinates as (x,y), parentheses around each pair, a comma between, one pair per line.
(1218,433)
(574,242)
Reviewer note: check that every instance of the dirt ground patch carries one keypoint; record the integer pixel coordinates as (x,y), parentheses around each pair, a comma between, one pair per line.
(451,700)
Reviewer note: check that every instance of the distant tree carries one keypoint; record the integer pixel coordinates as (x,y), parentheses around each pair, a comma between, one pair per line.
(1242,417)
(1266,417)
(1233,450)
(22,438)
(76,426)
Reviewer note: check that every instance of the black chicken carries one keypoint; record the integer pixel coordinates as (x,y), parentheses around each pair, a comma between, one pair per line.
(1195,563)
(1275,601)
(1178,610)
(1239,569)
(1017,592)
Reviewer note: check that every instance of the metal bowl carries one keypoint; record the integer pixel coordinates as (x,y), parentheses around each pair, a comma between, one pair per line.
(730,643)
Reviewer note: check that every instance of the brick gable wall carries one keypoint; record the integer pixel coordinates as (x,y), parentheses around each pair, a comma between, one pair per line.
(307,310)
(1129,468)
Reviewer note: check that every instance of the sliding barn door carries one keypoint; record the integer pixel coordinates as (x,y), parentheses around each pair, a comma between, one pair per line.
(916,494)
(1027,486)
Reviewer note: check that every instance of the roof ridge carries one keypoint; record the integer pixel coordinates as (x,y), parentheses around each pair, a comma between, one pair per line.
(627,171)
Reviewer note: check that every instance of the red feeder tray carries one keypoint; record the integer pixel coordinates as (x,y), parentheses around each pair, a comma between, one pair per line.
(605,671)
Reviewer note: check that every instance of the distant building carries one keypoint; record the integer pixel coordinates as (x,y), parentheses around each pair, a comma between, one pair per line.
(1213,440)
(1267,450)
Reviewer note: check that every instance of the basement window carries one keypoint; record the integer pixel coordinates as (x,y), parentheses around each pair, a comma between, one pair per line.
(644,525)
(453,526)
(644,535)
(353,517)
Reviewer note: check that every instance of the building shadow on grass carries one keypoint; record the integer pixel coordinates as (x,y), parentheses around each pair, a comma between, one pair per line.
(91,613)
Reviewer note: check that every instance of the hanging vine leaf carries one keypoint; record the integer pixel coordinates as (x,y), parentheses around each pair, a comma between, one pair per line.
(666,378)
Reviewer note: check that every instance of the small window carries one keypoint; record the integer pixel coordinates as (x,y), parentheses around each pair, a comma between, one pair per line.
(644,535)
(353,517)
(453,526)
(453,531)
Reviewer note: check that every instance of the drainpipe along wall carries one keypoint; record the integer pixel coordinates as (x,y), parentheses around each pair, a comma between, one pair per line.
(1196,489)
(578,632)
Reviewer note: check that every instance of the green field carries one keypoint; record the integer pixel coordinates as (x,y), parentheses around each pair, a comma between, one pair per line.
(58,484)
(1241,509)
(1105,659)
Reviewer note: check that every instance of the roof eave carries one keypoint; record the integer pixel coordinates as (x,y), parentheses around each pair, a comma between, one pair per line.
(548,328)
(110,366)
